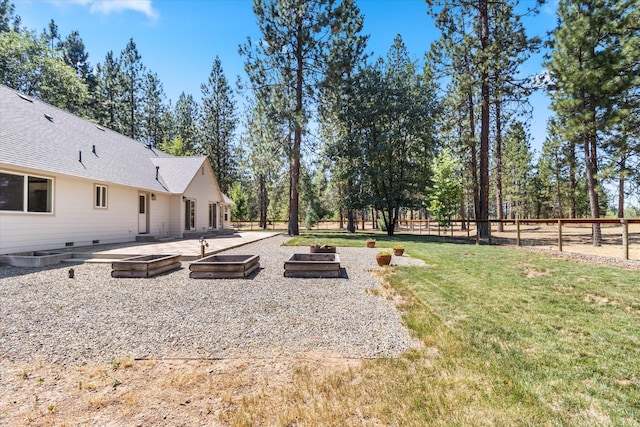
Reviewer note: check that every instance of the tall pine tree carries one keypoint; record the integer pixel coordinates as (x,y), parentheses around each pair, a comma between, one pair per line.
(218,124)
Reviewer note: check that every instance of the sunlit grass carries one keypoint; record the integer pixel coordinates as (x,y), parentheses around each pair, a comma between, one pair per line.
(509,338)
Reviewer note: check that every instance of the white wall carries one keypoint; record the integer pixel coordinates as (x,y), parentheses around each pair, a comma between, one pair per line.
(76,220)
(204,191)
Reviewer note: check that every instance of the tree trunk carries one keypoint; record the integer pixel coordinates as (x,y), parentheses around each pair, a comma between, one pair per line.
(573,182)
(499,208)
(592,186)
(474,158)
(351,223)
(263,201)
(559,203)
(485,229)
(297,136)
(621,180)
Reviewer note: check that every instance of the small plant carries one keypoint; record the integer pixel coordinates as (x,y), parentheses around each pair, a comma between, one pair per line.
(383,257)
(24,375)
(51,408)
(398,250)
(371,243)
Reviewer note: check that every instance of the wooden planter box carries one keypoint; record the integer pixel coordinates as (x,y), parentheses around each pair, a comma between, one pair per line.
(312,265)
(224,267)
(145,265)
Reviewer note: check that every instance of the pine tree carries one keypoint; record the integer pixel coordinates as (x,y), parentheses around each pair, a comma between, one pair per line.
(186,115)
(218,124)
(133,72)
(479,48)
(345,57)
(110,110)
(9,21)
(51,34)
(517,171)
(155,129)
(593,64)
(290,55)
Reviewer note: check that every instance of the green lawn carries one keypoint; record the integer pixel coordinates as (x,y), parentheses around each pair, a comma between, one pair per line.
(510,338)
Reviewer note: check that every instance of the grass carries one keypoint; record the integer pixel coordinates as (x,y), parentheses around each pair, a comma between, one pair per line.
(509,338)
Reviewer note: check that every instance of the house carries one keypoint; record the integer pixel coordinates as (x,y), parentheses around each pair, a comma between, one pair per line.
(65,181)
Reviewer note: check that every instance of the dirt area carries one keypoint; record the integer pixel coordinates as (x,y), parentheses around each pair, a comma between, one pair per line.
(146,392)
(576,239)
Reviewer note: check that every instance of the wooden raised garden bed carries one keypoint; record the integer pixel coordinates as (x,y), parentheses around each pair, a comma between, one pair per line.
(312,265)
(145,265)
(224,267)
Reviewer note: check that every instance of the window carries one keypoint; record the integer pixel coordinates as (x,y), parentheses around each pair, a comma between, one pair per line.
(24,193)
(101,196)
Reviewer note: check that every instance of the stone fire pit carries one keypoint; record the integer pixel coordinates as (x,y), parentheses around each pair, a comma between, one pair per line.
(312,265)
(224,267)
(145,265)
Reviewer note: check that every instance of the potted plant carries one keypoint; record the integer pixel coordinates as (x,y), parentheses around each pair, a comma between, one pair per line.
(398,250)
(317,248)
(371,243)
(383,257)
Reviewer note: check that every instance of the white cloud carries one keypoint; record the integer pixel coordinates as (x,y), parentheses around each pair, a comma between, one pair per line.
(107,7)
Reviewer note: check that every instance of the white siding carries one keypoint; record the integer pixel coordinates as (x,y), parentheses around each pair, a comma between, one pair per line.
(204,190)
(76,220)
(159,215)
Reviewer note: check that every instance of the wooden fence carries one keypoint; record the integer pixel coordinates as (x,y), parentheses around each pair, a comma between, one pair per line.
(551,232)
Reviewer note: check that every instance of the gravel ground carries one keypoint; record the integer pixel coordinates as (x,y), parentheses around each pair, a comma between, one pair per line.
(46,315)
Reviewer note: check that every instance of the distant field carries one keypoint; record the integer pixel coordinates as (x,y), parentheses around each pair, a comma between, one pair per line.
(576,237)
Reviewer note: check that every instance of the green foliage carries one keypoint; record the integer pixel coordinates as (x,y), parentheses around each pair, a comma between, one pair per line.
(446,188)
(27,66)
(218,123)
(595,70)
(390,142)
(239,211)
(9,21)
(133,75)
(175,147)
(186,124)
(517,171)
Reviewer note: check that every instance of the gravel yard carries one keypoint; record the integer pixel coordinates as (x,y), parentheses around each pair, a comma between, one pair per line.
(45,315)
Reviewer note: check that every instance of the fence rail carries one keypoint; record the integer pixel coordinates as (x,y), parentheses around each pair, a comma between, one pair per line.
(551,232)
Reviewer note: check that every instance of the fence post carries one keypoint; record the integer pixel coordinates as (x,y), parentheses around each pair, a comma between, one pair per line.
(560,235)
(518,242)
(625,238)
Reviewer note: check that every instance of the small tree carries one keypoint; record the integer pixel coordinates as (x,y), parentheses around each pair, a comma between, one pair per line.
(444,195)
(240,210)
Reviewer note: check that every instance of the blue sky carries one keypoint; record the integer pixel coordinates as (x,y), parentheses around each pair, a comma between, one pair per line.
(179,39)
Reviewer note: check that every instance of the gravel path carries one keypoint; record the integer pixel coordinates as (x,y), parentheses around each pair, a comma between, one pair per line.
(93,317)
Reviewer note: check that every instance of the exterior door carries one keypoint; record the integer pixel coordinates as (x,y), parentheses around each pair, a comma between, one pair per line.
(189,214)
(213,215)
(142,214)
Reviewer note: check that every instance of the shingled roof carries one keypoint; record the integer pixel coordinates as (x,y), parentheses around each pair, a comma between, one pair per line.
(36,135)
